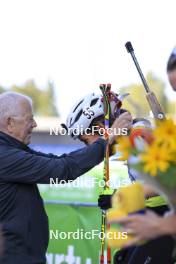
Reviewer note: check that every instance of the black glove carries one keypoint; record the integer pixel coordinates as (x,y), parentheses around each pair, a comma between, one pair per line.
(104,201)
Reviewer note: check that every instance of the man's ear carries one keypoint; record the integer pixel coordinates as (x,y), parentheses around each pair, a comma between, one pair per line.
(10,123)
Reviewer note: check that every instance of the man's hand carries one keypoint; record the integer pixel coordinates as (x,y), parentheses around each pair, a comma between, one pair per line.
(142,226)
(123,121)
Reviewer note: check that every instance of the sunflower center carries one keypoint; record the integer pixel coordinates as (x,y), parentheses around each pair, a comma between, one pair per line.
(169,132)
(157,157)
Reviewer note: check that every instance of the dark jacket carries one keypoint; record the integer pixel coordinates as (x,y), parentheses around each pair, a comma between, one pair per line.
(22,214)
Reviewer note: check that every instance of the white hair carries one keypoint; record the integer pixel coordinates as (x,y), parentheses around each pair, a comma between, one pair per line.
(10,103)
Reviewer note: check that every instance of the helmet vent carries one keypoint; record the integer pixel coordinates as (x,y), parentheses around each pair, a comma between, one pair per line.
(77,106)
(94,101)
(78,115)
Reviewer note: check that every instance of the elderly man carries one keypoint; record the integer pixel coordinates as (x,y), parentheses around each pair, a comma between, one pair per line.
(22,214)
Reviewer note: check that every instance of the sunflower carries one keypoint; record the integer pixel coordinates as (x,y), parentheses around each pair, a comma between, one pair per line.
(156,158)
(165,134)
(124,146)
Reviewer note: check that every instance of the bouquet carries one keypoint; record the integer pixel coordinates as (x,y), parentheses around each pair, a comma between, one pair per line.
(151,154)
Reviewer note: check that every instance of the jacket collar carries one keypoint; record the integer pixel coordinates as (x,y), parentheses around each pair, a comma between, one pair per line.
(12,141)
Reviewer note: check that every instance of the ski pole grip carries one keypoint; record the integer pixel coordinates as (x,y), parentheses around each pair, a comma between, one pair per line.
(129,47)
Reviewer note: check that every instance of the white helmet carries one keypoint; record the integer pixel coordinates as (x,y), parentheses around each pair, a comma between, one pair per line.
(83,113)
(87,109)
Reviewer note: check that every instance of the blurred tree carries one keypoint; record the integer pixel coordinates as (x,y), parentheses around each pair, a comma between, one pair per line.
(2,89)
(137,103)
(43,100)
(171,109)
